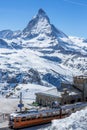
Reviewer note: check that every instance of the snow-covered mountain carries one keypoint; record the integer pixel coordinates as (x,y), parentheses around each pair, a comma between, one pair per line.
(9,34)
(4,44)
(41,54)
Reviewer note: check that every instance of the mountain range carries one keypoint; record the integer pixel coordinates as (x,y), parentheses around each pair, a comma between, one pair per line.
(41,54)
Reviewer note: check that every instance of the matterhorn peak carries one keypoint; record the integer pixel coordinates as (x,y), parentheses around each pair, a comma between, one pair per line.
(40,25)
(41,12)
(42,15)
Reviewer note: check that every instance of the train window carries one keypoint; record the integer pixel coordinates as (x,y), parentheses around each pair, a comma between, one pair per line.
(39,116)
(28,119)
(44,115)
(64,102)
(11,119)
(33,117)
(17,120)
(49,114)
(86,98)
(23,119)
(79,99)
(72,101)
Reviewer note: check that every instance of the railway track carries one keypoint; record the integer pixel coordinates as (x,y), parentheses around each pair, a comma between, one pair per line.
(30,128)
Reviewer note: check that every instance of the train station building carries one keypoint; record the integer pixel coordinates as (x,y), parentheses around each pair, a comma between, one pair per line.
(68,94)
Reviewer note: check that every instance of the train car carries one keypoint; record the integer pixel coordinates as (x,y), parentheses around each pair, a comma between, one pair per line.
(35,117)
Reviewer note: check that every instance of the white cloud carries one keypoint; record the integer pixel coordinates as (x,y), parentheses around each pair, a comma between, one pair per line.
(76,3)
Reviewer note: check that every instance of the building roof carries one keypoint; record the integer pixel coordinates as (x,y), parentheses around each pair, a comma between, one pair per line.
(52,92)
(81,77)
(58,93)
(33,113)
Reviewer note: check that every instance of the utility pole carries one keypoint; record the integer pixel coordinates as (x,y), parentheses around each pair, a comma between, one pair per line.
(20,101)
(20,105)
(60,112)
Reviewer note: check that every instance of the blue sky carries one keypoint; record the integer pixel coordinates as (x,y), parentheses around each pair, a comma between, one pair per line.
(70,16)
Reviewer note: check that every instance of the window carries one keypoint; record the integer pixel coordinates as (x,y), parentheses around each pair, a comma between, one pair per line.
(33,117)
(72,101)
(79,99)
(28,118)
(86,98)
(11,119)
(23,119)
(17,120)
(64,102)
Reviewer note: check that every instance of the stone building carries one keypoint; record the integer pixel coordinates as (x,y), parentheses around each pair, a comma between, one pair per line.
(68,94)
(65,96)
(80,82)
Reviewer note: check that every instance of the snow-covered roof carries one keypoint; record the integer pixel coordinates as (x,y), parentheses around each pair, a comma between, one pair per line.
(52,92)
(57,93)
(33,113)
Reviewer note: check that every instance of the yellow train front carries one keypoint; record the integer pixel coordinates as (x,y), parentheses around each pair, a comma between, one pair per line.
(34,117)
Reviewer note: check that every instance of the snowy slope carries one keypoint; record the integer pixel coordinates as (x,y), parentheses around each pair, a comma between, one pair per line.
(26,65)
(4,44)
(9,34)
(77,121)
(28,96)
